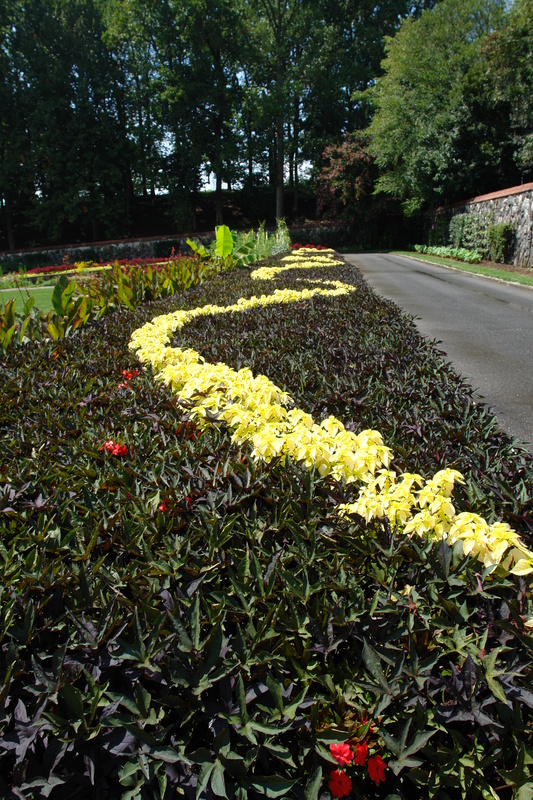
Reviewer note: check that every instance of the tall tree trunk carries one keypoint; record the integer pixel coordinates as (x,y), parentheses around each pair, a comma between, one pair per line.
(296,195)
(280,158)
(219,214)
(250,159)
(9,224)
(142,144)
(193,211)
(272,162)
(295,132)
(291,168)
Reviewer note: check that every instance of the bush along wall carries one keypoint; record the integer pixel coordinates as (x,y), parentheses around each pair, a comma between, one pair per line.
(184,611)
(471,231)
(509,206)
(500,240)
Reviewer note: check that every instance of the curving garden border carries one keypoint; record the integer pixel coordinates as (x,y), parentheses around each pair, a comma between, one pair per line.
(259,413)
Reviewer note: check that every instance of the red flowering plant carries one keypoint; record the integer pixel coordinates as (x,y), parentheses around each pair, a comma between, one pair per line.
(298,246)
(115,448)
(347,178)
(128,375)
(348,754)
(122,262)
(339,784)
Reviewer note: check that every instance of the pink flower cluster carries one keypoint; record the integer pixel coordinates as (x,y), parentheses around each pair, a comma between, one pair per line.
(340,784)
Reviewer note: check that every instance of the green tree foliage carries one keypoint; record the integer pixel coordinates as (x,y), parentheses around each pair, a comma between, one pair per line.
(107,103)
(427,135)
(129,31)
(348,47)
(508,62)
(278,27)
(214,33)
(63,136)
(14,146)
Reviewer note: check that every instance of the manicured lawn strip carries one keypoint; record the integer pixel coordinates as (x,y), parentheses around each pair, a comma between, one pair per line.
(477,269)
(41,294)
(229,623)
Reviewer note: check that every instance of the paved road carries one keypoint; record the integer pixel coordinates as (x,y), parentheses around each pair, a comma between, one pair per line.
(484,326)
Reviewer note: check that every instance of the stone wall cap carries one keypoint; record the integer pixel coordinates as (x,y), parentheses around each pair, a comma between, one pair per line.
(523,187)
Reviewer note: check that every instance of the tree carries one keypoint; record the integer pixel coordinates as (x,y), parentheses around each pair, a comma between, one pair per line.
(63,131)
(277,27)
(345,191)
(213,33)
(347,177)
(130,33)
(423,133)
(508,64)
(15,184)
(343,61)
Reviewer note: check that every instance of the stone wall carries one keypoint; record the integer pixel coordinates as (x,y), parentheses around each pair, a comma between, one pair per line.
(333,235)
(514,206)
(100,251)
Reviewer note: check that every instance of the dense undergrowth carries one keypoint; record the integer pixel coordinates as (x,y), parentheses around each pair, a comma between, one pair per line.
(176,617)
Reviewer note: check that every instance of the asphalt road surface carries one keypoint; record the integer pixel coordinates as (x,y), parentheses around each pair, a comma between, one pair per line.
(485,327)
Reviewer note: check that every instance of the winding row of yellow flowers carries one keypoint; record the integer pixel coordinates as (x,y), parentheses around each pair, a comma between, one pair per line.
(261,414)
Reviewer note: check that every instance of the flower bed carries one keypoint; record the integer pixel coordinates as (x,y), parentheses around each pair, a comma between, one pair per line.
(185,609)
(254,410)
(91,266)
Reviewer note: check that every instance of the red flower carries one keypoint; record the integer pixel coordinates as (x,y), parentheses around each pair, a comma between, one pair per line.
(361,752)
(114,448)
(164,505)
(376,769)
(342,753)
(130,373)
(339,783)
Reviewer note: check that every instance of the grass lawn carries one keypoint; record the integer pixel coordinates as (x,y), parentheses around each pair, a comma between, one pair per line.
(185,610)
(501,271)
(42,295)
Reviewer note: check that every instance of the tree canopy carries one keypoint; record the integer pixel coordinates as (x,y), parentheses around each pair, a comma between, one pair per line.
(440,129)
(107,102)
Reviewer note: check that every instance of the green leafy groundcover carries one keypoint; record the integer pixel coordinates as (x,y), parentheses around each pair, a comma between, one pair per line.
(176,618)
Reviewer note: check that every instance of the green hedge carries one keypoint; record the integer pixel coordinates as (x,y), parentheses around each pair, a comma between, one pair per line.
(471,230)
(500,239)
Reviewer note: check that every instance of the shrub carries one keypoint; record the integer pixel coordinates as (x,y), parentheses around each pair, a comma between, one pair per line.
(245,248)
(500,239)
(457,253)
(456,229)
(439,232)
(470,230)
